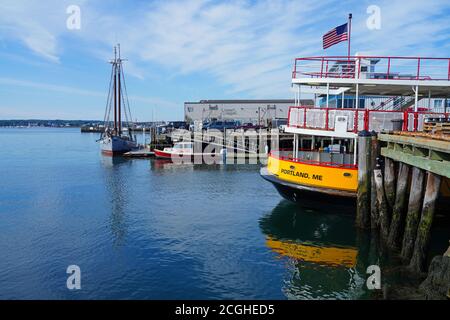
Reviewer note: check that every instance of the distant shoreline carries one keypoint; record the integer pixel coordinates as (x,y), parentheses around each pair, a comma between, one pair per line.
(45,123)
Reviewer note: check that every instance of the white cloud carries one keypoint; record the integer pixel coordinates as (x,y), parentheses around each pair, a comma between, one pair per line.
(32,23)
(48,87)
(249,46)
(412,28)
(73,91)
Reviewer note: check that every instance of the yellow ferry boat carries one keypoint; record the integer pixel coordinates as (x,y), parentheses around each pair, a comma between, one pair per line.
(352,99)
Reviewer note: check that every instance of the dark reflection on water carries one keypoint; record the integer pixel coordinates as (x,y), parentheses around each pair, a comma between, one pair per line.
(327,258)
(320,250)
(118,195)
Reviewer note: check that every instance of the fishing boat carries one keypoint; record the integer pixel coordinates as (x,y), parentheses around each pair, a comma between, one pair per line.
(179,149)
(354,96)
(184,152)
(116,139)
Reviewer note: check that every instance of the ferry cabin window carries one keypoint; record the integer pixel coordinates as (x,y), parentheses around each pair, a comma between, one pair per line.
(324,144)
(336,102)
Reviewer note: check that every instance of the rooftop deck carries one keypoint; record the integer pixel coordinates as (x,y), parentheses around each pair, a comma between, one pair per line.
(376,75)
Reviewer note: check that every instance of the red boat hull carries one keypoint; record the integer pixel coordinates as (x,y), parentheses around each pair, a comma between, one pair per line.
(162,155)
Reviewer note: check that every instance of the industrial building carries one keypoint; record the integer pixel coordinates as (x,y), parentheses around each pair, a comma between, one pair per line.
(255,111)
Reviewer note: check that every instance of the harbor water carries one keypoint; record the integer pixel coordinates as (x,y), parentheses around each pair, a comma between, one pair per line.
(149,229)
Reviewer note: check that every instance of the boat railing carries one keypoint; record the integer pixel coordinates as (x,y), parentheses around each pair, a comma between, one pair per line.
(359,119)
(315,157)
(373,67)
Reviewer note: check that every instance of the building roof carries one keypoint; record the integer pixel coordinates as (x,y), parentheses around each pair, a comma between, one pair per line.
(291,101)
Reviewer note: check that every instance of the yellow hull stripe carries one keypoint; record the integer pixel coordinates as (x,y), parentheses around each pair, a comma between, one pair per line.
(314,175)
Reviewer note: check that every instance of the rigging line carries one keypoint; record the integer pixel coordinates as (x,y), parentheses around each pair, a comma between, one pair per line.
(108,102)
(125,112)
(127,103)
(126,93)
(122,97)
(106,116)
(107,99)
(109,110)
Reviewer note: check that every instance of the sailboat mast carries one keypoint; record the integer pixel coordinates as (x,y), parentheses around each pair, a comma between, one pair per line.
(115,90)
(119,92)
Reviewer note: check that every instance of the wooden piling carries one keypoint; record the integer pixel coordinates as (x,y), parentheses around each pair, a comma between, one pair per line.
(375,152)
(382,204)
(413,215)
(423,231)
(364,160)
(389,182)
(399,206)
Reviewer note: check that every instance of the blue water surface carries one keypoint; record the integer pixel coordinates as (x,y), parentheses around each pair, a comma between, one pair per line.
(149,229)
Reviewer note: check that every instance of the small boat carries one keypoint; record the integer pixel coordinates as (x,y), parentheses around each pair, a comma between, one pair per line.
(116,139)
(180,149)
(140,153)
(184,152)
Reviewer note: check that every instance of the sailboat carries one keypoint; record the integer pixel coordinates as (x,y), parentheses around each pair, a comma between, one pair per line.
(117,138)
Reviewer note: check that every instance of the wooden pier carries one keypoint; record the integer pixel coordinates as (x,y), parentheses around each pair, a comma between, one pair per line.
(416,167)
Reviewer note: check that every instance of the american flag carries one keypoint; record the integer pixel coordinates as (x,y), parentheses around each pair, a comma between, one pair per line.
(335,36)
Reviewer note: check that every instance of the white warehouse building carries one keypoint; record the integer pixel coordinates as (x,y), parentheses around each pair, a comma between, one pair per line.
(254,111)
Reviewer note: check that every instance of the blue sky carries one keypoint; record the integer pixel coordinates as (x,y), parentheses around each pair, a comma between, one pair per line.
(187,50)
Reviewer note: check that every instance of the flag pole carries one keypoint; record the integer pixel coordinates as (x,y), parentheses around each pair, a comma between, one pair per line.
(349,33)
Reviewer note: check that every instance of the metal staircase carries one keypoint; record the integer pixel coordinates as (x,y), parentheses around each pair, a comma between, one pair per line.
(396,103)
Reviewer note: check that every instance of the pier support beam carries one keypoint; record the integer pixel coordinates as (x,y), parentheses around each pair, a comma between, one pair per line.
(423,231)
(382,204)
(364,180)
(399,206)
(413,215)
(374,216)
(389,181)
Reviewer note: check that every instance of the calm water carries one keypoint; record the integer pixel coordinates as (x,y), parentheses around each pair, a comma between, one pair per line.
(148,229)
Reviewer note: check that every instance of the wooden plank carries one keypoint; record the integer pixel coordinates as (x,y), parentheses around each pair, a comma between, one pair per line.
(438,145)
(399,206)
(419,256)
(389,181)
(433,136)
(382,204)
(374,216)
(413,215)
(364,180)
(441,168)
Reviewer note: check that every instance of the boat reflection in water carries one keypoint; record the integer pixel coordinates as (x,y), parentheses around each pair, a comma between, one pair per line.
(115,177)
(320,251)
(167,165)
